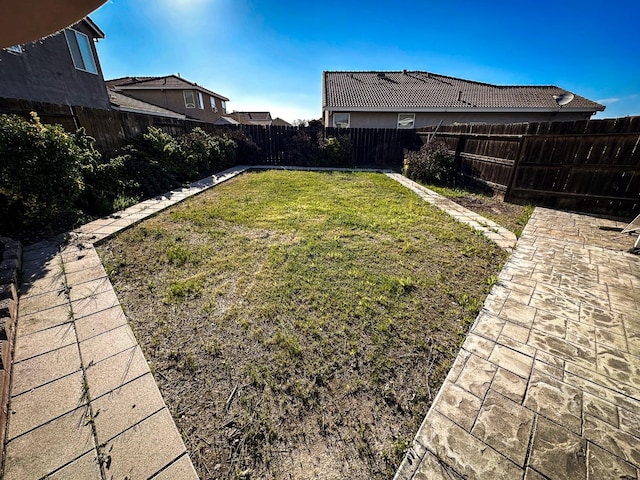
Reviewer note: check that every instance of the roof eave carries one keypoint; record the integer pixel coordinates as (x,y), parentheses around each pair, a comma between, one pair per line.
(458,109)
(148,112)
(120,88)
(98,33)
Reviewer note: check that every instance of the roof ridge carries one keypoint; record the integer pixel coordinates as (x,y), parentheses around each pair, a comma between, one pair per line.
(423,89)
(432,74)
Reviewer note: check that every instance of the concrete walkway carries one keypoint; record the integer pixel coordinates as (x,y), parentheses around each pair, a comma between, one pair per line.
(83,403)
(494,232)
(547,385)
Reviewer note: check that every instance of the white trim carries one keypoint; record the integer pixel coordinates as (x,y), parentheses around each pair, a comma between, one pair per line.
(184,97)
(413,121)
(15,49)
(333,121)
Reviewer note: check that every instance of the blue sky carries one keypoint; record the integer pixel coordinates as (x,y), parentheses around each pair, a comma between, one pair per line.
(270,55)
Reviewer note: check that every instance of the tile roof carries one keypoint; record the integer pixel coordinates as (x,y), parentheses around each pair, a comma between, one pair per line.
(252,118)
(165,82)
(127,104)
(225,120)
(280,122)
(414,89)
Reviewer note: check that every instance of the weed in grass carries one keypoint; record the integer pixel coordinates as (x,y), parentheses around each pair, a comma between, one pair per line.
(183,289)
(523,219)
(179,255)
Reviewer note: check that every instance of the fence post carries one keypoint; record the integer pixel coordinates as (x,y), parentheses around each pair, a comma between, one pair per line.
(512,177)
(457,158)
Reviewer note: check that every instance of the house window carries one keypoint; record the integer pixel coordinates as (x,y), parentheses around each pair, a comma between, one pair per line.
(189,99)
(200,101)
(80,48)
(15,49)
(406,120)
(213,104)
(341,120)
(224,106)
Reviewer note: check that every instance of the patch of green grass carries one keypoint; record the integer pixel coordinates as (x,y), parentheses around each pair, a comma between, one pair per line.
(331,304)
(182,290)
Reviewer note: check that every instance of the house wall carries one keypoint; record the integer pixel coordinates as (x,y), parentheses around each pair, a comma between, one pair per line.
(44,72)
(390,119)
(174,100)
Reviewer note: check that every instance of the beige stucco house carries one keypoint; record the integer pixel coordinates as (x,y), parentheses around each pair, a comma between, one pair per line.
(174,93)
(411,99)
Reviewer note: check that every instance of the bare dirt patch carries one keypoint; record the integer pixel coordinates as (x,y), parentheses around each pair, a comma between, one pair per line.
(482,201)
(299,324)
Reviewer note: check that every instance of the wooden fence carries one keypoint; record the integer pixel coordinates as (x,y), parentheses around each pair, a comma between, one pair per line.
(369,147)
(587,166)
(277,145)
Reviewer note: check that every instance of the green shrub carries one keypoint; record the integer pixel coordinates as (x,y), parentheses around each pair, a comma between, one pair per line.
(431,164)
(336,151)
(40,173)
(156,162)
(247,152)
(301,149)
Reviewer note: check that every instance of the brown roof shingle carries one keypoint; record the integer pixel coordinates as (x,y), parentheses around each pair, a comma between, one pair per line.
(165,82)
(425,90)
(129,104)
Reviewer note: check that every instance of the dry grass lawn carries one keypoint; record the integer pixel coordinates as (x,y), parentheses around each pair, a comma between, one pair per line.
(299,324)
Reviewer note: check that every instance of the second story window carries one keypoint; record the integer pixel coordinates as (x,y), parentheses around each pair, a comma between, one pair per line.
(200,101)
(189,99)
(213,104)
(224,106)
(80,48)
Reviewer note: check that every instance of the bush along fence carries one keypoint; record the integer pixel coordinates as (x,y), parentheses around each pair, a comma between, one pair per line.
(586,166)
(275,145)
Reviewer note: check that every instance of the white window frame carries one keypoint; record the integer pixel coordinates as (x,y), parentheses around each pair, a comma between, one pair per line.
(213,104)
(340,124)
(406,120)
(17,49)
(224,106)
(86,62)
(189,103)
(200,101)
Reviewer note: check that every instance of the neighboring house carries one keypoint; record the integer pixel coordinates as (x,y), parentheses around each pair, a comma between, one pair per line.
(407,99)
(251,118)
(279,122)
(61,69)
(124,103)
(247,118)
(173,93)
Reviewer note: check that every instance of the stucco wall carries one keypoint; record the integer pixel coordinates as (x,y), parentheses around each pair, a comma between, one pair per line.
(44,72)
(390,119)
(174,100)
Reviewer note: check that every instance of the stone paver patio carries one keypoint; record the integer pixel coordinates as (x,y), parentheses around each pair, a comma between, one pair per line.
(546,386)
